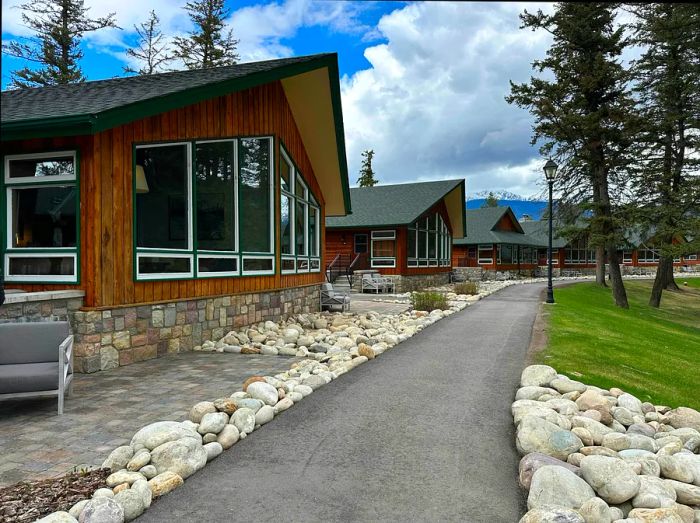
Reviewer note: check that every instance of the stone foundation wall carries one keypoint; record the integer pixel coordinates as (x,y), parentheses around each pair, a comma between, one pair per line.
(60,309)
(109,338)
(418,282)
(112,338)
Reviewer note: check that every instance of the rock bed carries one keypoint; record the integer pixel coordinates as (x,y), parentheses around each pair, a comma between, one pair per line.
(601,456)
(162,455)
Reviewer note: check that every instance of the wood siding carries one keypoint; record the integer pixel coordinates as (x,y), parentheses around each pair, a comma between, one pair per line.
(106,215)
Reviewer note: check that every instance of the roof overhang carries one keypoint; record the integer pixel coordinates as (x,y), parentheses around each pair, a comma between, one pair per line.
(312,88)
(456,203)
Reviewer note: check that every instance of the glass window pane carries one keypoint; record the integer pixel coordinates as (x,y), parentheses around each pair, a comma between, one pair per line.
(44,217)
(412,243)
(44,266)
(302,264)
(383,248)
(218,264)
(299,188)
(42,167)
(313,231)
(315,264)
(163,264)
(300,229)
(287,264)
(285,218)
(285,173)
(360,243)
(256,264)
(254,198)
(215,196)
(161,211)
(432,245)
(422,244)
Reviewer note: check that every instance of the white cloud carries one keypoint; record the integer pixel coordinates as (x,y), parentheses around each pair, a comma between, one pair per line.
(432,104)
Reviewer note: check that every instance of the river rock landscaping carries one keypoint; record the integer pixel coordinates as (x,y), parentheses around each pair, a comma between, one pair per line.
(592,455)
(162,455)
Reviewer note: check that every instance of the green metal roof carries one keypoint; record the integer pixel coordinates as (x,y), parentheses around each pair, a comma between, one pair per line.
(91,107)
(389,205)
(481,225)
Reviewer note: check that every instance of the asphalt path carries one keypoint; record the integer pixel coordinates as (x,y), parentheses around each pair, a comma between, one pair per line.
(423,433)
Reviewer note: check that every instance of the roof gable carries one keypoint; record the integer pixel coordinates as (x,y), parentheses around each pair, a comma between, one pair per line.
(402,204)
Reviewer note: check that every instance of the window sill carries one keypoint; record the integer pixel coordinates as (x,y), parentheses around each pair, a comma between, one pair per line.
(12,296)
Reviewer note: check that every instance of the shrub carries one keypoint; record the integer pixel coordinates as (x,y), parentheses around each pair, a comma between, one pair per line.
(428,301)
(468,287)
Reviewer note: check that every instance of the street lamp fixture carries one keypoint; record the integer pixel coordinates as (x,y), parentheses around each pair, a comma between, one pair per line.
(550,173)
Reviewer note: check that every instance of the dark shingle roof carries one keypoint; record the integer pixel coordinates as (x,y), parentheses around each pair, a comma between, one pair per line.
(91,98)
(385,205)
(538,230)
(480,228)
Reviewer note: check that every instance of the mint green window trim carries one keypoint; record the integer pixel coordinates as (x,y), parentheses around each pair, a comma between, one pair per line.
(7,251)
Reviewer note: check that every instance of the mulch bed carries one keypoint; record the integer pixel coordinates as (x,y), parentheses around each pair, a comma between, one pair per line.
(29,500)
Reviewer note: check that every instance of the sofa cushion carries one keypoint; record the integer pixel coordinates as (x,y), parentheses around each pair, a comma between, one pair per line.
(30,377)
(31,342)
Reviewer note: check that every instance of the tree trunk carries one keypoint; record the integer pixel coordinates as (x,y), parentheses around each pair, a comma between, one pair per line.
(600,265)
(664,280)
(618,287)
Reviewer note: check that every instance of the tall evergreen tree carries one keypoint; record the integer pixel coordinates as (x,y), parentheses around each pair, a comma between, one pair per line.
(367,178)
(152,51)
(583,116)
(490,201)
(206,46)
(667,83)
(59,26)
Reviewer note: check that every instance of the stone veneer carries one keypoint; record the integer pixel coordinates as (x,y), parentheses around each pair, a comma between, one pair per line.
(109,338)
(40,306)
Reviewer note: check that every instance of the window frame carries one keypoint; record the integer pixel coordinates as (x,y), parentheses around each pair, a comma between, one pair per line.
(484,247)
(385,262)
(193,251)
(7,185)
(428,225)
(310,205)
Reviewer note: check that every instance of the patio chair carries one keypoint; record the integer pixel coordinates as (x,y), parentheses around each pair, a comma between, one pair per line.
(370,284)
(331,298)
(386,282)
(36,359)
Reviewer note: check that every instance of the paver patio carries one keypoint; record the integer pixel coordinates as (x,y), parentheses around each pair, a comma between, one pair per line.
(108,407)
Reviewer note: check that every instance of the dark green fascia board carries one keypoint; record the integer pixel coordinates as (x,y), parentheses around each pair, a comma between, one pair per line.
(48,127)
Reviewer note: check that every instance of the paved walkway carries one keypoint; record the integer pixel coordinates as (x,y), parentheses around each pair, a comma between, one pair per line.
(422,434)
(107,408)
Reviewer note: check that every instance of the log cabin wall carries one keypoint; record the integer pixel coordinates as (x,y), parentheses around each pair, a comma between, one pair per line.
(106,213)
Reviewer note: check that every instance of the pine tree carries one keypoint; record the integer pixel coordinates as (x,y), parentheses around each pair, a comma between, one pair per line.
(367,178)
(206,46)
(151,52)
(490,201)
(59,26)
(583,117)
(667,83)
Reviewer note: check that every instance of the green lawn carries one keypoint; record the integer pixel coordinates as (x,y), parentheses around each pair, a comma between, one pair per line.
(653,354)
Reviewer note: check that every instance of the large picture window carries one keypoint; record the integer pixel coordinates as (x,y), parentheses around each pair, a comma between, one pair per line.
(383,249)
(204,209)
(300,218)
(579,253)
(42,210)
(429,242)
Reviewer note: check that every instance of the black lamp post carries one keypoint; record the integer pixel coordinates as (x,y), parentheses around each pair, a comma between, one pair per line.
(550,172)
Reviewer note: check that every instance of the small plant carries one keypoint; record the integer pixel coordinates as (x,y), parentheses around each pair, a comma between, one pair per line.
(467,287)
(428,301)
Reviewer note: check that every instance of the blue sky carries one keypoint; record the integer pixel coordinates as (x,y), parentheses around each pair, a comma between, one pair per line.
(423,84)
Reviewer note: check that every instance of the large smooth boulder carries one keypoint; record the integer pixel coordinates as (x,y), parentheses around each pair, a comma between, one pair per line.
(613,479)
(213,423)
(57,517)
(244,420)
(537,435)
(685,493)
(530,463)
(102,510)
(118,458)
(131,503)
(522,408)
(684,417)
(263,392)
(691,462)
(537,376)
(655,515)
(654,493)
(618,442)
(155,434)
(552,515)
(597,429)
(184,457)
(532,393)
(164,483)
(672,468)
(595,510)
(200,409)
(631,403)
(553,485)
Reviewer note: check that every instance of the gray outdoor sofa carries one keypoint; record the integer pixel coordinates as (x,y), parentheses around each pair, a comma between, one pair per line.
(36,359)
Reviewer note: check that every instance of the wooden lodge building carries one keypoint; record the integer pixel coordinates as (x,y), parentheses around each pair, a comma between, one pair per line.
(403,230)
(497,241)
(156,212)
